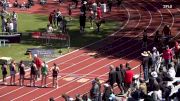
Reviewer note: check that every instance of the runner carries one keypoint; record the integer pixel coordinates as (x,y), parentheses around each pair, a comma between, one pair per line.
(12,72)
(44,71)
(4,72)
(55,71)
(21,73)
(33,73)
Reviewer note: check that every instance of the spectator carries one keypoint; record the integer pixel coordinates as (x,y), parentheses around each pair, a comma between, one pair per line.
(49,29)
(123,71)
(94,92)
(157,94)
(4,72)
(109,3)
(58,17)
(164,75)
(94,8)
(145,63)
(82,21)
(150,62)
(157,38)
(176,96)
(99,13)
(78,97)
(70,11)
(4,22)
(167,56)
(38,62)
(10,26)
(66,97)
(99,84)
(12,72)
(107,92)
(91,18)
(14,21)
(16,4)
(64,25)
(85,97)
(76,3)
(143,86)
(44,71)
(152,81)
(54,19)
(21,73)
(171,71)
(33,73)
(135,95)
(112,76)
(178,70)
(166,31)
(83,8)
(50,18)
(128,78)
(55,70)
(177,51)
(119,79)
(51,99)
(103,7)
(155,58)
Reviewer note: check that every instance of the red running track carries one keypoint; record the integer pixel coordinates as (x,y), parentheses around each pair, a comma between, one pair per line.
(77,69)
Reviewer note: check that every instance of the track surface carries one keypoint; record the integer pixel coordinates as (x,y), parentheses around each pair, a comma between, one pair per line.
(77,69)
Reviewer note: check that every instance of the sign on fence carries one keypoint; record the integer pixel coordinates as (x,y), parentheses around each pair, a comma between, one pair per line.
(43,52)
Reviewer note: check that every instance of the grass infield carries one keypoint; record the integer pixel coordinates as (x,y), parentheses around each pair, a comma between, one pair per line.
(28,23)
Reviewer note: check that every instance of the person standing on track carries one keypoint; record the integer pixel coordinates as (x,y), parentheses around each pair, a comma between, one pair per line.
(12,72)
(167,56)
(21,73)
(112,76)
(119,79)
(4,72)
(44,71)
(145,65)
(38,63)
(55,70)
(128,78)
(33,73)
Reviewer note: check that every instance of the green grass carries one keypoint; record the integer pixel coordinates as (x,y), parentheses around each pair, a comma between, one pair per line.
(30,23)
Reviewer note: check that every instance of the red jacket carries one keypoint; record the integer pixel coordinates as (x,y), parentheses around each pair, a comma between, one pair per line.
(38,62)
(167,54)
(129,76)
(99,13)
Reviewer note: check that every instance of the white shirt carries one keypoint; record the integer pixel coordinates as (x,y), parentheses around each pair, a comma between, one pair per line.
(10,26)
(94,6)
(103,7)
(155,55)
(172,72)
(158,95)
(49,29)
(14,16)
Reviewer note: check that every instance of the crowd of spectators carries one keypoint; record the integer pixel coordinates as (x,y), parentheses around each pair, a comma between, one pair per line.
(8,21)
